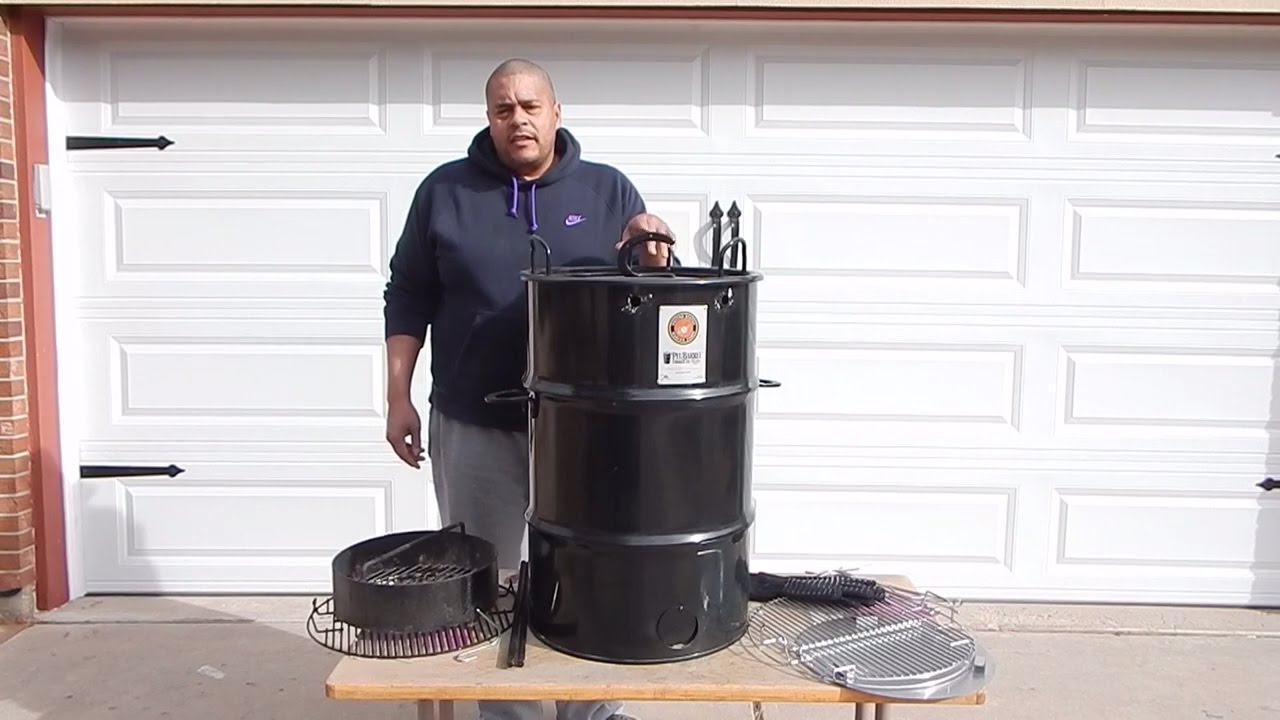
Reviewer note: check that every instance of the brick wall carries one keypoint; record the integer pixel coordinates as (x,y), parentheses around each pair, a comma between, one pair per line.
(17,535)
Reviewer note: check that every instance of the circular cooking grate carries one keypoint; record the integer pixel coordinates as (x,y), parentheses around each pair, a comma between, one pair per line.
(327,630)
(417,574)
(886,656)
(904,646)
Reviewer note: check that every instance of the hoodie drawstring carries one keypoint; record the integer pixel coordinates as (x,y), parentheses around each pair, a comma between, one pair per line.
(533,203)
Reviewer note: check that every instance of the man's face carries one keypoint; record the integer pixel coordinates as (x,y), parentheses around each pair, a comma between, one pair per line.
(523,119)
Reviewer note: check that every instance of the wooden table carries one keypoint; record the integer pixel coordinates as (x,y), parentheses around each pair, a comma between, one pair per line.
(741,673)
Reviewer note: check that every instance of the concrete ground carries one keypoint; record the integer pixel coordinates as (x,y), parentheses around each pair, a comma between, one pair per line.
(251,658)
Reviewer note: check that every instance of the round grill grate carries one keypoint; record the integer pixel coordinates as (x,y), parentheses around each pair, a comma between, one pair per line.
(884,657)
(900,647)
(417,574)
(486,627)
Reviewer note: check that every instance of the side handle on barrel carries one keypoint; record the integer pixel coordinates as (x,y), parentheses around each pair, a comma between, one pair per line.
(624,253)
(514,395)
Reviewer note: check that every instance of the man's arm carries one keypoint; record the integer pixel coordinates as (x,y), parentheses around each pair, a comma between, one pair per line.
(409,306)
(410,297)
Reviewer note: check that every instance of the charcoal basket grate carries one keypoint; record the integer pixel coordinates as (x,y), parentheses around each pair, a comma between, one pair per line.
(325,628)
(417,574)
(906,646)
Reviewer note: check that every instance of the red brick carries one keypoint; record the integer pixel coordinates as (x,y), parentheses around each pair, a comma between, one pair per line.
(20,579)
(10,505)
(14,446)
(12,388)
(14,407)
(14,464)
(17,522)
(15,484)
(17,542)
(17,560)
(14,427)
(12,368)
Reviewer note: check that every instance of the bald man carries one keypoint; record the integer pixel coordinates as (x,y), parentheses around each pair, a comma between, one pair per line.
(456,269)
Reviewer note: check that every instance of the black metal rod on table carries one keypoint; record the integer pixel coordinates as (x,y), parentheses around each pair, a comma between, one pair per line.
(520,618)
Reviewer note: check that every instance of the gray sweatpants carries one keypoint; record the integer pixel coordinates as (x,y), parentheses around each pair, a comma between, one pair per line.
(482,479)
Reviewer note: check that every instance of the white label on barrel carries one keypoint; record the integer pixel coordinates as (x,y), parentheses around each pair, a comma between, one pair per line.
(682,344)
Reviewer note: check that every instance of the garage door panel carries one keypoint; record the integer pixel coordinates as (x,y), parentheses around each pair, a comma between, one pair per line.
(1208,533)
(248,90)
(235,380)
(906,377)
(654,90)
(1220,391)
(1200,245)
(885,240)
(898,93)
(233,236)
(893,383)
(233,91)
(1033,245)
(232,526)
(999,95)
(873,519)
(1175,98)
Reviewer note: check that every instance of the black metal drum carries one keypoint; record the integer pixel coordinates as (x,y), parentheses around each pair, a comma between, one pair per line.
(639,387)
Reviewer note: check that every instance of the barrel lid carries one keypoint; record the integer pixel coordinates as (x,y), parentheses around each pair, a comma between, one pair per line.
(625,272)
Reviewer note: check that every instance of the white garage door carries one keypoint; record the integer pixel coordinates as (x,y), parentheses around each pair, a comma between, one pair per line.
(1021,285)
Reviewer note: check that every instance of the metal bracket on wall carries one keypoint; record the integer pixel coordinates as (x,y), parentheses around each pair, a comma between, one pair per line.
(86,142)
(1269,484)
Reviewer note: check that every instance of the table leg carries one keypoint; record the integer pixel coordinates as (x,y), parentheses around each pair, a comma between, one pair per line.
(882,712)
(435,710)
(858,713)
(757,710)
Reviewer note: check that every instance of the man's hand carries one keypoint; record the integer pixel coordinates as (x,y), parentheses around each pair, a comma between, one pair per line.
(652,253)
(403,422)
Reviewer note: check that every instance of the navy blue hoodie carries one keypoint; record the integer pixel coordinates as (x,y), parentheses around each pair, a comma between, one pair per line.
(457,265)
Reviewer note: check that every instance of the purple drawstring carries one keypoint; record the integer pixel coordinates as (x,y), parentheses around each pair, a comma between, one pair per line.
(533,203)
(533,207)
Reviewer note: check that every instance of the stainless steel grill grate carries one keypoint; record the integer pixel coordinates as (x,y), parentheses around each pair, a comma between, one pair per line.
(484,628)
(417,574)
(907,646)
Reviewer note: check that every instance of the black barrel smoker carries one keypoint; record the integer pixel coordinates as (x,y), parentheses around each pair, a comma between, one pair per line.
(639,387)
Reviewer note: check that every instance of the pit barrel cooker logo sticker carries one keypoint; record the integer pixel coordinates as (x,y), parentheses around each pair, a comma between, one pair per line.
(682,344)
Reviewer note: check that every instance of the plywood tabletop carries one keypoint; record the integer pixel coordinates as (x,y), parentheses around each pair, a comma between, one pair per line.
(740,673)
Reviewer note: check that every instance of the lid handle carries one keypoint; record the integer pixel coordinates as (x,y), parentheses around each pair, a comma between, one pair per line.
(624,254)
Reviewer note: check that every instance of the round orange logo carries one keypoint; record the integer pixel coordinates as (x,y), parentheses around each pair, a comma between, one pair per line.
(683,328)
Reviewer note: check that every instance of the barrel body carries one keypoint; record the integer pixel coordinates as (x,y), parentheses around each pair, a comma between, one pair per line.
(640,402)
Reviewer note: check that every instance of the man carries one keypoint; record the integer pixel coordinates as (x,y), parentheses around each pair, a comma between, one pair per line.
(457,268)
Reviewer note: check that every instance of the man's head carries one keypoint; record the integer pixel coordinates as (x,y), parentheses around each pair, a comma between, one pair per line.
(523,116)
